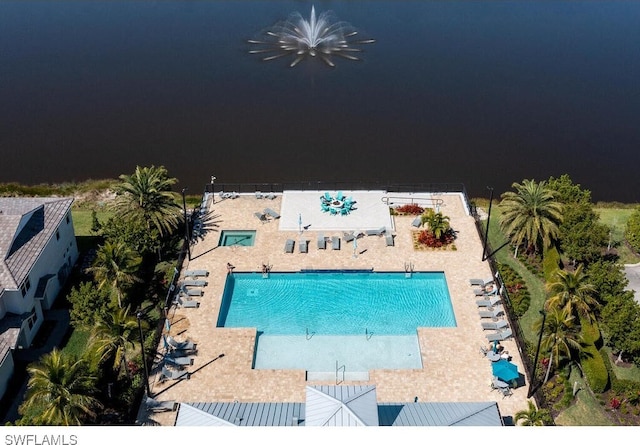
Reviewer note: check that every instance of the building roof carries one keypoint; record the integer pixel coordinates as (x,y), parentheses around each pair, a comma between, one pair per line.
(340,405)
(26,226)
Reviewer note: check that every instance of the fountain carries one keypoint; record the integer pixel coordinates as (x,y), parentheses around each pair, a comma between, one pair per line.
(321,36)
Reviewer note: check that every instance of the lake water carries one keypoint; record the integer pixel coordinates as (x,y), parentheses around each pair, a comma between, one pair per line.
(484,93)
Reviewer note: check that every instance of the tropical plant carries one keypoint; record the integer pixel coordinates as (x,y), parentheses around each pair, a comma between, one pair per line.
(88,303)
(632,230)
(114,335)
(146,196)
(572,291)
(560,338)
(530,216)
(438,223)
(116,265)
(60,391)
(533,416)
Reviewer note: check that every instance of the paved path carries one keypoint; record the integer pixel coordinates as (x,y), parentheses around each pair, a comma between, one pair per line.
(632,271)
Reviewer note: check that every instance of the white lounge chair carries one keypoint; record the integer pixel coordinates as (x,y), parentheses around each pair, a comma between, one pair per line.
(348,236)
(193,292)
(480,282)
(259,195)
(170,374)
(494,325)
(178,362)
(303,246)
(500,335)
(501,386)
(335,242)
(493,313)
(417,222)
(288,246)
(160,405)
(261,216)
(488,303)
(389,238)
(196,273)
(186,345)
(271,213)
(187,303)
(194,283)
(322,241)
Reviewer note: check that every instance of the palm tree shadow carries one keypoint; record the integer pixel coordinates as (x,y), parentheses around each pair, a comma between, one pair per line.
(204,224)
(177,382)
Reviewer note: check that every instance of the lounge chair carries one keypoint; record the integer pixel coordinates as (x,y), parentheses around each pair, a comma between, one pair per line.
(259,195)
(193,292)
(335,243)
(170,374)
(348,236)
(187,303)
(494,325)
(480,282)
(500,335)
(493,313)
(186,345)
(271,195)
(262,217)
(194,283)
(196,273)
(328,197)
(157,406)
(288,246)
(303,246)
(272,213)
(375,232)
(339,196)
(322,241)
(417,222)
(177,362)
(389,238)
(490,302)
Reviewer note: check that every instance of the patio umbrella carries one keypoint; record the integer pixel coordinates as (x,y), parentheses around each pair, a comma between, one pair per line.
(166,344)
(355,244)
(505,370)
(167,324)
(300,222)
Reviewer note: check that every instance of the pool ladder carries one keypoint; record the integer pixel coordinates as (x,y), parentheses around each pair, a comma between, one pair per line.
(367,334)
(338,369)
(308,336)
(408,270)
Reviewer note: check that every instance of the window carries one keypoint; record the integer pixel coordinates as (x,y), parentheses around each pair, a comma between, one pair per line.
(57,234)
(25,287)
(68,218)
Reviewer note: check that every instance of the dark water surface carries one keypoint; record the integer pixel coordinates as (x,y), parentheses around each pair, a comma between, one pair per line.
(484,93)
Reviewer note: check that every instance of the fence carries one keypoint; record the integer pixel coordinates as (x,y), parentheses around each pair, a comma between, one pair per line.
(529,365)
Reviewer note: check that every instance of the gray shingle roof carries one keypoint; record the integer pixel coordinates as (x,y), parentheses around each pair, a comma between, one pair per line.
(26,226)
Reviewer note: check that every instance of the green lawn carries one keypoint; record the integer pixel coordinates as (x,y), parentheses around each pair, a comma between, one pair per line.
(616,220)
(82,220)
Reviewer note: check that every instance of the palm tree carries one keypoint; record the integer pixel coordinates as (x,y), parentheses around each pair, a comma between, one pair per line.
(560,338)
(532,416)
(530,216)
(438,224)
(146,195)
(116,265)
(60,390)
(113,336)
(571,290)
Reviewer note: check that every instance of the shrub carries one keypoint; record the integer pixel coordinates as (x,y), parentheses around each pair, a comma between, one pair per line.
(428,238)
(410,209)
(550,263)
(517,289)
(595,370)
(632,231)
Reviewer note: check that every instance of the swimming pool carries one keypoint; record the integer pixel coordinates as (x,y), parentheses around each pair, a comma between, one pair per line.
(336,303)
(237,238)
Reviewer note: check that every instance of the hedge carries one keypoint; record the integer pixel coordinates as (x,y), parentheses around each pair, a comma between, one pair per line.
(595,369)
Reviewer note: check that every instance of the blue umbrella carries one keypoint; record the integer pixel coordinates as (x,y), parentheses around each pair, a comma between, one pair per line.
(505,370)
(167,324)
(166,344)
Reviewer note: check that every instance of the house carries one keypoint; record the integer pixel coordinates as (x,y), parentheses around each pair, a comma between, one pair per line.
(37,252)
(340,405)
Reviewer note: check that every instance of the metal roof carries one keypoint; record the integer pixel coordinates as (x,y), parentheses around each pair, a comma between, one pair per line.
(341,406)
(440,414)
(240,414)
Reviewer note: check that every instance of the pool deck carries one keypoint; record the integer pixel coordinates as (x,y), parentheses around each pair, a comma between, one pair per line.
(454,370)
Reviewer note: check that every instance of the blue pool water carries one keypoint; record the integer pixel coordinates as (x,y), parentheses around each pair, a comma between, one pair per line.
(237,238)
(336,303)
